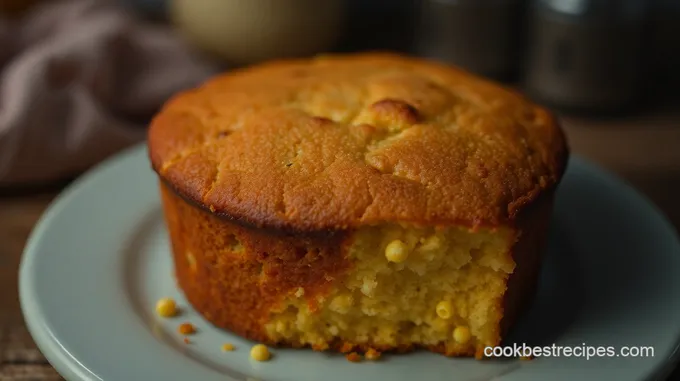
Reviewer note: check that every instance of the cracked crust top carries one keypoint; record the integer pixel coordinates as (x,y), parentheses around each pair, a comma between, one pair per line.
(342,141)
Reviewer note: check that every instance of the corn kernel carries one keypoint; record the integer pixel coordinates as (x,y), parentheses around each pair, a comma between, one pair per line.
(396,251)
(166,307)
(461,334)
(228,347)
(186,329)
(444,309)
(260,352)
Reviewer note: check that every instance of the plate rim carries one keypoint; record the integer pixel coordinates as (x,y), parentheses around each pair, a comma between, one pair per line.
(59,358)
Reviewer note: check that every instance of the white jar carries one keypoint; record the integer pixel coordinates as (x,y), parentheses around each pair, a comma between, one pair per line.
(247,31)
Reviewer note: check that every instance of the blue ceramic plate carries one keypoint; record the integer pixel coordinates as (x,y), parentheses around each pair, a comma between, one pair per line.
(99,259)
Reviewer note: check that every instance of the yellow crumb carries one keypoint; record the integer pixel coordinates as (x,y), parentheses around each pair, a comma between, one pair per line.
(526,358)
(260,352)
(228,347)
(186,329)
(166,307)
(372,355)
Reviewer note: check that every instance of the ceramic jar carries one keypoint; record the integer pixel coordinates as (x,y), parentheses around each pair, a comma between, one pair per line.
(243,32)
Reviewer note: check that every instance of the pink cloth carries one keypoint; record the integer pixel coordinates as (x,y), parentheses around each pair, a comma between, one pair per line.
(78,81)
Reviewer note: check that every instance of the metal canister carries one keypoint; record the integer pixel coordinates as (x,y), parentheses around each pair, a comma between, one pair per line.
(585,55)
(482,36)
(155,9)
(664,49)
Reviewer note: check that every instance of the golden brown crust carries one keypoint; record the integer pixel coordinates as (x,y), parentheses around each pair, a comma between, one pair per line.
(531,226)
(344,141)
(235,275)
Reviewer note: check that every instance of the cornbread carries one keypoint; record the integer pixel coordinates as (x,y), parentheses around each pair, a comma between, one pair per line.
(357,203)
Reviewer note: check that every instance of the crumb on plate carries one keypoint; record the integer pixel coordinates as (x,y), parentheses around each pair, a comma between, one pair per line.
(260,352)
(353,357)
(186,329)
(166,307)
(227,347)
(372,354)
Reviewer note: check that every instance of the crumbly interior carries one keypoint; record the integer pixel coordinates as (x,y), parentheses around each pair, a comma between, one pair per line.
(381,304)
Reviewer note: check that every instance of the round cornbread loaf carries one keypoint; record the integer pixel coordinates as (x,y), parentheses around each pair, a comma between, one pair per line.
(355,202)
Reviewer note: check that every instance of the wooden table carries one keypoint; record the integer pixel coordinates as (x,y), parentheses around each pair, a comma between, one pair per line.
(645,150)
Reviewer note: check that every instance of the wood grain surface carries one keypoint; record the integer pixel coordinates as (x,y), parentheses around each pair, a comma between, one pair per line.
(19,358)
(644,150)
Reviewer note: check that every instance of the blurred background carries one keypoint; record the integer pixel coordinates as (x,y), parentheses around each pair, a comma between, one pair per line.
(80,79)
